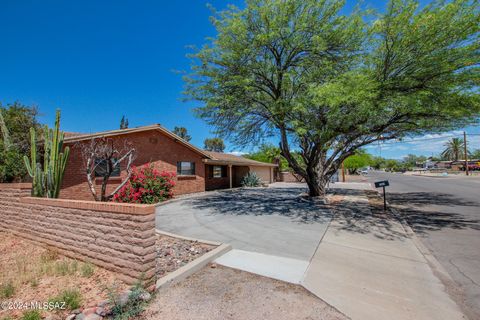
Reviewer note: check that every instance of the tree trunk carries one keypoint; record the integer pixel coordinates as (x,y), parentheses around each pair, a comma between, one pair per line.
(316,181)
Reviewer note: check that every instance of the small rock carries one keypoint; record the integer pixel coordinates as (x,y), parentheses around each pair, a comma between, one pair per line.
(93,317)
(103,304)
(89,311)
(80,316)
(145,296)
(76,311)
(102,311)
(213,265)
(71,317)
(123,298)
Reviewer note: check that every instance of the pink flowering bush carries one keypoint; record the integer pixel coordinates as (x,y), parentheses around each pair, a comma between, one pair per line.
(147,185)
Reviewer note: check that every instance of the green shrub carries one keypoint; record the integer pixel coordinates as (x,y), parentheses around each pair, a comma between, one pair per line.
(87,270)
(71,297)
(131,307)
(7,290)
(31,315)
(251,180)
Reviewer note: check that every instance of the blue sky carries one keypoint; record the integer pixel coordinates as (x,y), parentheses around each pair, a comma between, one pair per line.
(99,60)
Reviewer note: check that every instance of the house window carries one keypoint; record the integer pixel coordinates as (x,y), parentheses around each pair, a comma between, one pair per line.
(219,172)
(185,168)
(101,168)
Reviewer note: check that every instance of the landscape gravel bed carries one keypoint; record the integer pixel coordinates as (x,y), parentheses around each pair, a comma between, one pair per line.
(173,253)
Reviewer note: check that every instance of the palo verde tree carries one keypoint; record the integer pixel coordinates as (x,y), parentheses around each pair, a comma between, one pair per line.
(327,84)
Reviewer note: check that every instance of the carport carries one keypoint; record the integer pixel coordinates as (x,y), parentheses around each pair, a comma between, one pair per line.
(225,171)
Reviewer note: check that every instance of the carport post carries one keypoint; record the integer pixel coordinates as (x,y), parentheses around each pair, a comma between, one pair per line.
(230,175)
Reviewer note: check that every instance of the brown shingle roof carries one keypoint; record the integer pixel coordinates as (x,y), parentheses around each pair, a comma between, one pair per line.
(231,158)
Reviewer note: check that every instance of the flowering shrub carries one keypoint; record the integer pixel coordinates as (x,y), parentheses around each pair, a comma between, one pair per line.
(146,185)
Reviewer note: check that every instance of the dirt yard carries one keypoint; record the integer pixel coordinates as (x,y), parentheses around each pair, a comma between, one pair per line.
(222,293)
(32,273)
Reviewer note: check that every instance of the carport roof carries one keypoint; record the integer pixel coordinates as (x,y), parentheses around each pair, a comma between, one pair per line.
(226,158)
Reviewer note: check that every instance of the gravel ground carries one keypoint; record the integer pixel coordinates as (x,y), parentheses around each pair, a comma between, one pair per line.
(222,293)
(173,253)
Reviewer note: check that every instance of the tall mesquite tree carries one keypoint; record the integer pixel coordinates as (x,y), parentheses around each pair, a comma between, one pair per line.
(47,181)
(327,84)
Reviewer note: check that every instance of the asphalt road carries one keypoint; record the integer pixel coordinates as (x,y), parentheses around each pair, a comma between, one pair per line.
(445,213)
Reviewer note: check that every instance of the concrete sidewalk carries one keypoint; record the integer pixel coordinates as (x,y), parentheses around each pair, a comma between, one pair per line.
(367,267)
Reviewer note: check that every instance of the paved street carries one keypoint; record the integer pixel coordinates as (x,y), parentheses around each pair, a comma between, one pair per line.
(445,213)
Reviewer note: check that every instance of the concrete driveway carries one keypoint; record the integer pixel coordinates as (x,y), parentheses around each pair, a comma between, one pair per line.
(273,221)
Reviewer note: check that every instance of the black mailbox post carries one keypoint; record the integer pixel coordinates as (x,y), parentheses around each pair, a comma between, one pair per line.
(383,184)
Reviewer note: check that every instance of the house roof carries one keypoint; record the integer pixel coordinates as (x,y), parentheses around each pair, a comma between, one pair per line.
(210,156)
(227,158)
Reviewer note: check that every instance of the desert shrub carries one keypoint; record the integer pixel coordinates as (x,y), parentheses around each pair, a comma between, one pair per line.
(32,315)
(129,308)
(87,270)
(147,185)
(251,180)
(71,297)
(7,290)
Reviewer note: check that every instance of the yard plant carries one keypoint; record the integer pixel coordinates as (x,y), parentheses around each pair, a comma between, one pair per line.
(251,180)
(325,83)
(47,180)
(147,185)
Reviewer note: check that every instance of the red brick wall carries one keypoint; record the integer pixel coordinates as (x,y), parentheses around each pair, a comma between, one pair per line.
(151,146)
(216,183)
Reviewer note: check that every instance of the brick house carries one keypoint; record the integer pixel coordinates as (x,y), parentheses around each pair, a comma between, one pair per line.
(197,170)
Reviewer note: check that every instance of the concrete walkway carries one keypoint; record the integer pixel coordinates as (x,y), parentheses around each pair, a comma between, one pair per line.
(368,268)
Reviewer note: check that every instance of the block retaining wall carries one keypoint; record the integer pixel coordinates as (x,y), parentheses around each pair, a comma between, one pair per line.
(115,236)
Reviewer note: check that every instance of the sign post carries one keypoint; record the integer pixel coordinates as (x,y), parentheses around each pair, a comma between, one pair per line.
(383,184)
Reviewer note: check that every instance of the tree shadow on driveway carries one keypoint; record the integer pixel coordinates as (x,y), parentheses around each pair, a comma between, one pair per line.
(264,202)
(356,215)
(414,207)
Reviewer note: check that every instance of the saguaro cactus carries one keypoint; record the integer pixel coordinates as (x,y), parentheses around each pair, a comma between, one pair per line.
(47,182)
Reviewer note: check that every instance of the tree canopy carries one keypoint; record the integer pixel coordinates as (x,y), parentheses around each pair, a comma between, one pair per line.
(326,83)
(17,119)
(214,144)
(182,133)
(360,159)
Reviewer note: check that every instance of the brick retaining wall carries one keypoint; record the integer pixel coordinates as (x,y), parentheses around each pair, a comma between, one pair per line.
(118,237)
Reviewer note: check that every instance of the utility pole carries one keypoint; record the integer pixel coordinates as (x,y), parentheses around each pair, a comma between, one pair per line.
(466,153)
(343,172)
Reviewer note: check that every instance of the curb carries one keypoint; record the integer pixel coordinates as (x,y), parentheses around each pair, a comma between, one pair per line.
(173,235)
(191,267)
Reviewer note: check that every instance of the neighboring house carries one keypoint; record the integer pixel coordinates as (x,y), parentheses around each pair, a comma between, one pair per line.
(197,170)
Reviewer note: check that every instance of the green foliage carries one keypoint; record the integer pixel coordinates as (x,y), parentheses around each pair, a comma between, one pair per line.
(182,133)
(475,154)
(327,84)
(15,121)
(71,297)
(123,309)
(251,180)
(454,149)
(411,160)
(87,270)
(268,153)
(360,159)
(214,144)
(7,290)
(48,181)
(31,315)
(124,123)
